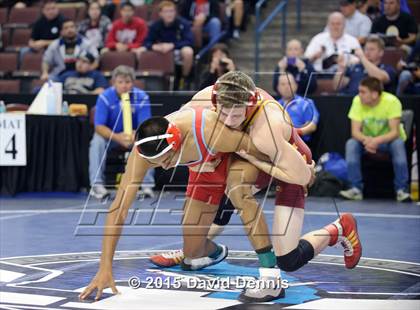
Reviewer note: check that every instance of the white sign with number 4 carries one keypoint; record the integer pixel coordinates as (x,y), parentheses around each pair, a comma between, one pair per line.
(12,139)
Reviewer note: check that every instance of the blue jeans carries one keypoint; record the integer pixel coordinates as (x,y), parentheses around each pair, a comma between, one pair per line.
(97,159)
(213,28)
(396,148)
(405,78)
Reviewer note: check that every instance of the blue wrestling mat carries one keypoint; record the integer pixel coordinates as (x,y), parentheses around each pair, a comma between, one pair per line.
(49,254)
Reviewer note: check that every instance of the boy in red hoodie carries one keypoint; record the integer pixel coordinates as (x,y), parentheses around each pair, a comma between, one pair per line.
(128,32)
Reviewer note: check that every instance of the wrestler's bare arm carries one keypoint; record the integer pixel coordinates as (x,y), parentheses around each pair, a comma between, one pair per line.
(271,169)
(135,171)
(201,99)
(221,138)
(269,136)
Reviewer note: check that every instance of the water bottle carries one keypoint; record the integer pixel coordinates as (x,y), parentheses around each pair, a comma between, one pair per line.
(51,100)
(65,108)
(2,107)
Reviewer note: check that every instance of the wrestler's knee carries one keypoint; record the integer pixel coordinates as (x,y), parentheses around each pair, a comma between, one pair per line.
(295,259)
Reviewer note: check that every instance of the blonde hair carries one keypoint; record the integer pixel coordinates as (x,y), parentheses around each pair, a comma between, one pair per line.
(234,88)
(376,40)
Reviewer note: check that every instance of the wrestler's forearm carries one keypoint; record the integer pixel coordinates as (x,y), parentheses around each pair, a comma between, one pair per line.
(126,194)
(278,173)
(115,221)
(233,141)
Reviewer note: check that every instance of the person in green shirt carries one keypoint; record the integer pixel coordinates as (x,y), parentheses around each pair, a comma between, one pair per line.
(375,127)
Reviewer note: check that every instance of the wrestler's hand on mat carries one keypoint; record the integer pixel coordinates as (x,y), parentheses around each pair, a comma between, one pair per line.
(102,280)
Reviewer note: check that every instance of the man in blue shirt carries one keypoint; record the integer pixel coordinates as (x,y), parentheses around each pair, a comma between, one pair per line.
(302,111)
(83,80)
(347,79)
(109,130)
(172,33)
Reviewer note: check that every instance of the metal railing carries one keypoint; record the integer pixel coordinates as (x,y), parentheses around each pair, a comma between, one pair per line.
(261,25)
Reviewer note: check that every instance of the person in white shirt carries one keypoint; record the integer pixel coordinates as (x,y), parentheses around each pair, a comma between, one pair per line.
(357,24)
(325,47)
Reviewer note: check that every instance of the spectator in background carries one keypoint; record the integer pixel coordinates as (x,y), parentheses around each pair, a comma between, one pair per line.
(413,86)
(172,33)
(235,10)
(128,32)
(325,47)
(96,26)
(109,127)
(398,28)
(409,79)
(403,5)
(357,24)
(47,28)
(62,53)
(302,111)
(375,127)
(204,14)
(107,8)
(219,64)
(301,69)
(369,8)
(85,79)
(370,65)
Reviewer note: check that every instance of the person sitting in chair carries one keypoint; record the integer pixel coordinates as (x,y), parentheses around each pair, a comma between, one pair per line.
(375,127)
(109,127)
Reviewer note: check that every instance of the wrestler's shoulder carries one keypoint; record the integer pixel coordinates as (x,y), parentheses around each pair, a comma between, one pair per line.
(201,99)
(205,92)
(182,113)
(264,95)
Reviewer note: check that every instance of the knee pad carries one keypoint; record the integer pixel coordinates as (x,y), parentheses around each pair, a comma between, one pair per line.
(300,256)
(224,213)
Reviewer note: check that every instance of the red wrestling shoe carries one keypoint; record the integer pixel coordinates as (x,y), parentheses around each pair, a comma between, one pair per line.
(168,259)
(350,240)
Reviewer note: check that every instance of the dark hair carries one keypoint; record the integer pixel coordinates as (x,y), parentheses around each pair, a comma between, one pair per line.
(373,84)
(152,127)
(92,3)
(127,3)
(219,47)
(66,20)
(45,2)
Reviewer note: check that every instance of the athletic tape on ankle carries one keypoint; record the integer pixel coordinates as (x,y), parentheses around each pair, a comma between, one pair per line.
(267,259)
